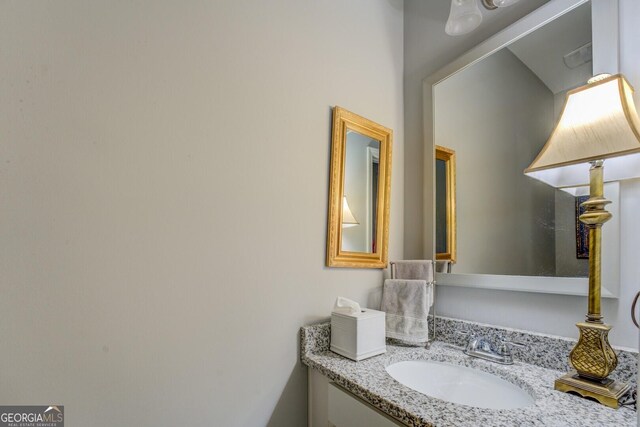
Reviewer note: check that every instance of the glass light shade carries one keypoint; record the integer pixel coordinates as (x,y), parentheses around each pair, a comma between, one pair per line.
(504,3)
(599,121)
(348,220)
(464,16)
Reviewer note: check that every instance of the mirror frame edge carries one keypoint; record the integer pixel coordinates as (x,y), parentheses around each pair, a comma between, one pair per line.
(335,257)
(536,284)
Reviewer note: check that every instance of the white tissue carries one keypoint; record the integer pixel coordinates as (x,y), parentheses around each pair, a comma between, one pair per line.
(346,306)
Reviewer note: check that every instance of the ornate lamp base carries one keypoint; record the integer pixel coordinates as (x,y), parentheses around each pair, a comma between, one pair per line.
(592,355)
(608,392)
(593,360)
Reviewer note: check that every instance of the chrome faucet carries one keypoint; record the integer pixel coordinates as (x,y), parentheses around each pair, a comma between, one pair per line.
(482,348)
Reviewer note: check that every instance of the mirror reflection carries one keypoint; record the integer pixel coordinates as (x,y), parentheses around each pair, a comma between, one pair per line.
(445,204)
(497,115)
(360,193)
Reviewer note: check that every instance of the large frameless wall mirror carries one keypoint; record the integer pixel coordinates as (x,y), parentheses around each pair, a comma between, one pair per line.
(496,107)
(359,193)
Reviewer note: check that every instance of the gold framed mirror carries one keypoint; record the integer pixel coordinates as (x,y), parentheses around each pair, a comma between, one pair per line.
(445,204)
(359,192)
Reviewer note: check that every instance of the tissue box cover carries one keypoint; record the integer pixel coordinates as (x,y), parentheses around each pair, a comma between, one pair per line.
(358,336)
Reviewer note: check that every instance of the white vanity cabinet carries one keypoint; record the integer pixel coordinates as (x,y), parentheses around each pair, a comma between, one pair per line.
(332,406)
(345,410)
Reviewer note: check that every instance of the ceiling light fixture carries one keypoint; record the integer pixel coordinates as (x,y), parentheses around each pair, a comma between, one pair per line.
(465,15)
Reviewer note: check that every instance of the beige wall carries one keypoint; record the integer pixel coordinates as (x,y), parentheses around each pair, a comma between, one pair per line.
(497,115)
(164,180)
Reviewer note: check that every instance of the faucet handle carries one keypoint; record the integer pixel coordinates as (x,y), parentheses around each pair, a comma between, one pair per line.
(505,346)
(513,343)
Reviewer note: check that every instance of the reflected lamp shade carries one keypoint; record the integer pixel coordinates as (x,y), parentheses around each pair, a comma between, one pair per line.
(348,220)
(464,17)
(599,121)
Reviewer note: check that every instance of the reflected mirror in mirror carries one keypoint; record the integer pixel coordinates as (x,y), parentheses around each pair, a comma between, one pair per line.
(445,204)
(497,115)
(360,193)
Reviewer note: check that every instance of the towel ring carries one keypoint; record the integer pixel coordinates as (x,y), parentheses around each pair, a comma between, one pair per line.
(633,310)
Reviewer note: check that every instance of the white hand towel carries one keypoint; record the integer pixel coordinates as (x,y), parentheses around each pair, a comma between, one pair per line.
(420,269)
(407,304)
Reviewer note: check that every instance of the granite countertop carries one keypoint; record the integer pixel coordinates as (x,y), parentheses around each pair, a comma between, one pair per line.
(369,381)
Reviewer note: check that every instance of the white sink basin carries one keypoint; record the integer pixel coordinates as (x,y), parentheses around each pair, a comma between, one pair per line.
(459,384)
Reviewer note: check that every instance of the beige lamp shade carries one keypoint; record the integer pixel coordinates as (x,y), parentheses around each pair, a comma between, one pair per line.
(348,220)
(599,121)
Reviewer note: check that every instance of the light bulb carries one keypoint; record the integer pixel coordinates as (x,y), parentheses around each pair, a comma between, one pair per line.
(493,4)
(464,17)
(504,3)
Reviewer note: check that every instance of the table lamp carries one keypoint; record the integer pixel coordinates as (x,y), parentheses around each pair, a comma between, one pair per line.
(348,220)
(599,125)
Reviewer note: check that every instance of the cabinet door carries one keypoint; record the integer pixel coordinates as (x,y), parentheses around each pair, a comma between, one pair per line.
(345,410)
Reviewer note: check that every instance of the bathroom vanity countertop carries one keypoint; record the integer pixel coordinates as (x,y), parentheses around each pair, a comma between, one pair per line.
(369,380)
